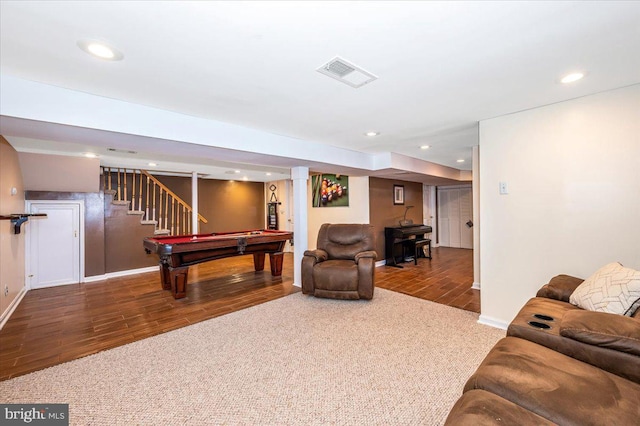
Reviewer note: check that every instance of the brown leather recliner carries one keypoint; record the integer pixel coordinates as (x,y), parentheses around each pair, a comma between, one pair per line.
(343,265)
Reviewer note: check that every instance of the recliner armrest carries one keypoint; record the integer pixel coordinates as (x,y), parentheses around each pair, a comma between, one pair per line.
(560,287)
(369,254)
(319,255)
(611,331)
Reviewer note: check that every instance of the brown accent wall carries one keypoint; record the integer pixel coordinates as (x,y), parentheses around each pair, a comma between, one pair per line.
(382,211)
(94,231)
(123,235)
(11,245)
(227,205)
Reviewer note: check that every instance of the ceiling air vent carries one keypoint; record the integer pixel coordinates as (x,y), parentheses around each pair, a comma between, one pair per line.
(121,151)
(346,72)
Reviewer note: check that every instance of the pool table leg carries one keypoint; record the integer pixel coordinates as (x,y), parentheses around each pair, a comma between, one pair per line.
(276,263)
(178,278)
(258,261)
(174,279)
(165,276)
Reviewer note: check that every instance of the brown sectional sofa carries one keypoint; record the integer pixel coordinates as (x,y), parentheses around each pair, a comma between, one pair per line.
(571,367)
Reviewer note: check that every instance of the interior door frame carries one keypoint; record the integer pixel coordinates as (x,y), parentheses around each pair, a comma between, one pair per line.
(27,241)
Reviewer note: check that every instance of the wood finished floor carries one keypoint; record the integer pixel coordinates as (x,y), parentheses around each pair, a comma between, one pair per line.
(59,324)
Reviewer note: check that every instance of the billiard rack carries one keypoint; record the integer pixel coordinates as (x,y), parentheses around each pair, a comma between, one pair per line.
(18,219)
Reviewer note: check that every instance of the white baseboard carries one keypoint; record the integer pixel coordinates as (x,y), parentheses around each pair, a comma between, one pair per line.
(120,274)
(492,322)
(12,307)
(381,262)
(475,286)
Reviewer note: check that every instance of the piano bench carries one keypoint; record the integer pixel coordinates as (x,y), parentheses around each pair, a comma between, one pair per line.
(419,245)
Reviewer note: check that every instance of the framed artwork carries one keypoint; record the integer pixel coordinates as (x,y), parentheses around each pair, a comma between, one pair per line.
(398,194)
(330,190)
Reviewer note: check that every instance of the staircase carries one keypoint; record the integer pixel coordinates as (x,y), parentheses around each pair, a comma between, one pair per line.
(150,199)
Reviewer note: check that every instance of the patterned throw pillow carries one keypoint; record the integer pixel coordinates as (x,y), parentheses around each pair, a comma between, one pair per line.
(612,288)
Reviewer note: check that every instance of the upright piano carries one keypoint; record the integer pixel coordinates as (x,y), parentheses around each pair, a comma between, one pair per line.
(398,238)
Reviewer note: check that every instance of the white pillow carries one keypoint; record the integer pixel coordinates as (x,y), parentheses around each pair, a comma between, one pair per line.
(612,288)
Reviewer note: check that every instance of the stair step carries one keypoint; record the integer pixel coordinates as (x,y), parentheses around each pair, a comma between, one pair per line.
(121,203)
(149,222)
(138,212)
(162,232)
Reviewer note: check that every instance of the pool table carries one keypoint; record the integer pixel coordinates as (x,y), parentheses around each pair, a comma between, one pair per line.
(179,252)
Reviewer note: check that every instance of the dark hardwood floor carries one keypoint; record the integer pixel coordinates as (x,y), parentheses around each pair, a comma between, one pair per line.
(59,324)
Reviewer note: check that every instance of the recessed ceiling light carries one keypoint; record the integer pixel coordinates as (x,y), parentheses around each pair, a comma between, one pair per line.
(372,133)
(90,155)
(245,178)
(268,174)
(100,49)
(460,161)
(425,147)
(570,78)
(237,171)
(152,164)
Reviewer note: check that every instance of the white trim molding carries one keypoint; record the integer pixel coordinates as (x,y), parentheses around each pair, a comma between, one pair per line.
(12,307)
(492,322)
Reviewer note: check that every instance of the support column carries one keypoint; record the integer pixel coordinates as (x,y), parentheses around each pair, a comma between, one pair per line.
(194,203)
(299,176)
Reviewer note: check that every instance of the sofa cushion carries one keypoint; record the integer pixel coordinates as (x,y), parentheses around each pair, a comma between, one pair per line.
(336,275)
(612,288)
(479,408)
(601,329)
(622,363)
(559,388)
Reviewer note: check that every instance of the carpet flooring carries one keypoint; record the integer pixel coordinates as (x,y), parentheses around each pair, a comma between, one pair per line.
(298,360)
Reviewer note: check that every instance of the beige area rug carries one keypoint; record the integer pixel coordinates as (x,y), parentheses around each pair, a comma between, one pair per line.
(293,361)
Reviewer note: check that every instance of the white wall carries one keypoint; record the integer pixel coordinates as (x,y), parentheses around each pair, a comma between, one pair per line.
(357,212)
(573,175)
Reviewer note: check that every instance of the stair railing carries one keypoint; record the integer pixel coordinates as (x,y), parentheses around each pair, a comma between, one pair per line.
(151,198)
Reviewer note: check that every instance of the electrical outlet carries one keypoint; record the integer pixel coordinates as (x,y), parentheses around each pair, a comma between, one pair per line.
(6,290)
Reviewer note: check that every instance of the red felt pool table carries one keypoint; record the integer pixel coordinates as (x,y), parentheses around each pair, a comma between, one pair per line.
(177,253)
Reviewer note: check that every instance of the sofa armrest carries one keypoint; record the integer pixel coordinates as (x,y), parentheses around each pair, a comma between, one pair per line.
(370,254)
(560,287)
(611,331)
(319,255)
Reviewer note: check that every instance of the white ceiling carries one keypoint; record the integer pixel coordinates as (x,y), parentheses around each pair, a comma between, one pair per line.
(442,66)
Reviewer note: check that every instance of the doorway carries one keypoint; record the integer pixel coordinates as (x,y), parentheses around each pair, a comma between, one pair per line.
(54,248)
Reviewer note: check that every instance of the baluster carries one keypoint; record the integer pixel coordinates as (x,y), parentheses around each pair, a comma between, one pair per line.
(184,221)
(177,218)
(153,200)
(146,215)
(133,191)
(160,209)
(140,196)
(124,179)
(119,185)
(109,178)
(166,210)
(173,216)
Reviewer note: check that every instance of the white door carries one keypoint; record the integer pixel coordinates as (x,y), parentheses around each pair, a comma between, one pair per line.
(455,209)
(54,245)
(466,216)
